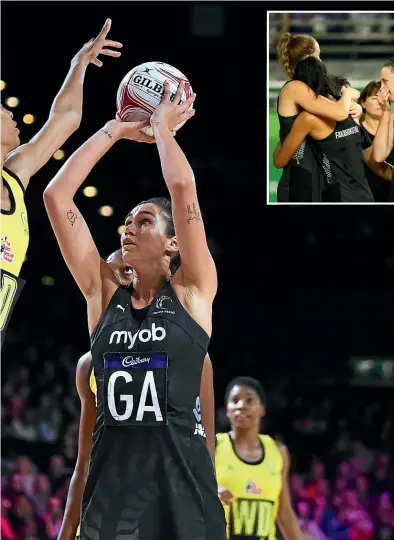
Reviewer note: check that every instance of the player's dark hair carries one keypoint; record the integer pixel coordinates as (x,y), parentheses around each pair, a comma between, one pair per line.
(371,89)
(338,81)
(251,382)
(292,49)
(314,74)
(390,64)
(166,209)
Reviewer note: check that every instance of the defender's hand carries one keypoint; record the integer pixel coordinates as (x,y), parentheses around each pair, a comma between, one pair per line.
(89,52)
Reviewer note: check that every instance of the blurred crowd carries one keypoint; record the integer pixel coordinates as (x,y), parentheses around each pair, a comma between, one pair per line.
(361,25)
(342,477)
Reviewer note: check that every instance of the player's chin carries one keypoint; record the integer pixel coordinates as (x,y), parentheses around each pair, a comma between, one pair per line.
(241,421)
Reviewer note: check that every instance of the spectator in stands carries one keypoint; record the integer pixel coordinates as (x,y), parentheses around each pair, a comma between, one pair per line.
(42,492)
(24,427)
(297,487)
(53,518)
(338,527)
(323,514)
(27,471)
(57,473)
(13,488)
(307,525)
(24,521)
(6,529)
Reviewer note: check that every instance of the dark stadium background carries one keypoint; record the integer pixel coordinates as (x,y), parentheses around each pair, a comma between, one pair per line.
(302,290)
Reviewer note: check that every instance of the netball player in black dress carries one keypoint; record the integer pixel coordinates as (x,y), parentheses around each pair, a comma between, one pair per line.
(299,181)
(338,146)
(150,474)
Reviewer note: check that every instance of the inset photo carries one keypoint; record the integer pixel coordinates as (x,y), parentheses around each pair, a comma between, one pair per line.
(330,107)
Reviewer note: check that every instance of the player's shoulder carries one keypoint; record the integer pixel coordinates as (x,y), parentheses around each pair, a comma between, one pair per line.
(221,438)
(296,86)
(85,360)
(275,443)
(7,172)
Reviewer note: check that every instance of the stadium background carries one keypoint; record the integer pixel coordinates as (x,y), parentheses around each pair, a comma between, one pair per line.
(352,44)
(305,299)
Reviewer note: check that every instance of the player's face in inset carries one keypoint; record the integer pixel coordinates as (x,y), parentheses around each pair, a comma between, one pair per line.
(9,131)
(145,237)
(371,105)
(244,408)
(387,78)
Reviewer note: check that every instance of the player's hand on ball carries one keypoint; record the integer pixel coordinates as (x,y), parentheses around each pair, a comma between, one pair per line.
(89,52)
(171,113)
(128,130)
(225,495)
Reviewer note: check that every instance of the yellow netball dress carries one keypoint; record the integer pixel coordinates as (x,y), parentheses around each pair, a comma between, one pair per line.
(14,233)
(256,488)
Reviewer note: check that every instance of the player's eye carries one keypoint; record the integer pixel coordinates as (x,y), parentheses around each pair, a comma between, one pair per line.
(128,270)
(144,221)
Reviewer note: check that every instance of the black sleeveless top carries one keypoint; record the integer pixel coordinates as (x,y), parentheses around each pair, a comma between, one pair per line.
(379,186)
(150,474)
(340,156)
(300,180)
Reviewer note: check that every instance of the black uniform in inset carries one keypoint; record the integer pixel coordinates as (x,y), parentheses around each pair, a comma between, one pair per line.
(341,157)
(302,179)
(379,186)
(150,474)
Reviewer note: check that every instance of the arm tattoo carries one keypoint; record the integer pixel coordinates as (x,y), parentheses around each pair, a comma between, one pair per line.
(71,216)
(107,133)
(192,213)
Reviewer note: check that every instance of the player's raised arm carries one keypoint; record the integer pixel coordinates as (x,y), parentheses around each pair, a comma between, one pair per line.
(73,235)
(197,270)
(383,141)
(66,111)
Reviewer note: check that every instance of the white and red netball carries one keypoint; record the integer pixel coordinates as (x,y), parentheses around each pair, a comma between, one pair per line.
(141,91)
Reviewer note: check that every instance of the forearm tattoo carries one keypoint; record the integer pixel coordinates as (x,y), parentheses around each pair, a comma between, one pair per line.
(71,216)
(192,213)
(107,133)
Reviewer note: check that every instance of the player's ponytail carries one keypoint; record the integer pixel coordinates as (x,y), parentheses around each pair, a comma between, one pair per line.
(292,49)
(283,52)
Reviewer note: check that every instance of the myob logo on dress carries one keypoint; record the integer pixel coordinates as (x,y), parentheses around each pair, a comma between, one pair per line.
(155,333)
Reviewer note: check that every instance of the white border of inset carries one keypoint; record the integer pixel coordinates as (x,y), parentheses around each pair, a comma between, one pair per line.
(267,118)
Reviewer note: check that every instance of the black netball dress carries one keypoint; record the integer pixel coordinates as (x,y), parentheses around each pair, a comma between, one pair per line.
(150,475)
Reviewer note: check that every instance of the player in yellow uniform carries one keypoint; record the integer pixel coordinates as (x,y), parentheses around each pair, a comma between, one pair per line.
(252,470)
(20,162)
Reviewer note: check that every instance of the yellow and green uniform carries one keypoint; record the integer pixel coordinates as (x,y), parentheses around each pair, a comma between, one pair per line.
(14,233)
(256,488)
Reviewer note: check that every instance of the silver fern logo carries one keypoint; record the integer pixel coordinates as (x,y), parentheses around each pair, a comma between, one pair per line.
(298,156)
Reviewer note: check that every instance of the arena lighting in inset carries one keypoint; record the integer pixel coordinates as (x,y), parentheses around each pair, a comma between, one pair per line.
(106,211)
(28,118)
(121,229)
(59,154)
(12,102)
(90,191)
(3,85)
(48,281)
